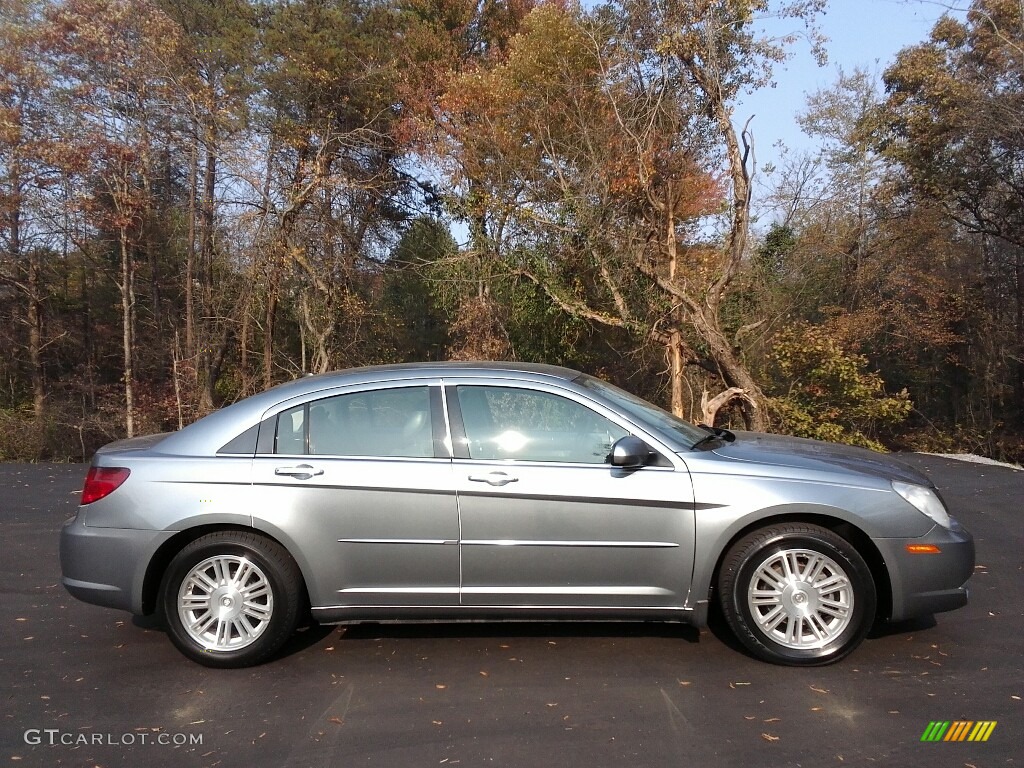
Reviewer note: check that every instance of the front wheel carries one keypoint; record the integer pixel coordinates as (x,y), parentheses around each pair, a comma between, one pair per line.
(796,594)
(231,599)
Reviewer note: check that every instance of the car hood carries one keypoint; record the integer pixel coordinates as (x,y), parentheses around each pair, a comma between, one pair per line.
(815,455)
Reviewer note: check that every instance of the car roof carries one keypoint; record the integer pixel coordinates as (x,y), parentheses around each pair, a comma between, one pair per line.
(208,434)
(440,368)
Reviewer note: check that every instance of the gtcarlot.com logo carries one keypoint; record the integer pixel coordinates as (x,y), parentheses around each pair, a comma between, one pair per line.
(55,737)
(958,730)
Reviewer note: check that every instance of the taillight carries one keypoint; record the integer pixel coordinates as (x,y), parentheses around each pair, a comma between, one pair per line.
(102,481)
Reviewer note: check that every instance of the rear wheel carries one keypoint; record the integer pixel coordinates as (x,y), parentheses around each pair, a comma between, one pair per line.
(797,594)
(231,599)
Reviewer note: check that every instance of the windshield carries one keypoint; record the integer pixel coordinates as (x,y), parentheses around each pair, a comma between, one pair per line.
(646,413)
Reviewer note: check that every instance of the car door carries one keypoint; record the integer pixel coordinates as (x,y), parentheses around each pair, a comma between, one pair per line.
(360,481)
(546,521)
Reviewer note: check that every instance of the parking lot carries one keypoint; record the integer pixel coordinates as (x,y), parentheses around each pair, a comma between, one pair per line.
(87,686)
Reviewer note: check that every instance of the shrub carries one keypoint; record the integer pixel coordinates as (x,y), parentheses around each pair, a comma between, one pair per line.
(822,391)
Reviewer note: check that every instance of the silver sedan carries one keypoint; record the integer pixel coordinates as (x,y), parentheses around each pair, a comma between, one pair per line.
(469,491)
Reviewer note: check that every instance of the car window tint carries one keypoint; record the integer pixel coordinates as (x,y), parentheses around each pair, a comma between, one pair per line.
(384,422)
(510,423)
(291,431)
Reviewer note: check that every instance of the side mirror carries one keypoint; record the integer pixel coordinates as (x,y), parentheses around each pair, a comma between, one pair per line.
(630,452)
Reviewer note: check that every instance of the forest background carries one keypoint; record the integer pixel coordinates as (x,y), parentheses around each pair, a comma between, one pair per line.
(202,198)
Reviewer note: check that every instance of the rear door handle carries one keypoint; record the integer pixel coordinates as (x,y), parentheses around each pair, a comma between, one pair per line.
(301,472)
(494,478)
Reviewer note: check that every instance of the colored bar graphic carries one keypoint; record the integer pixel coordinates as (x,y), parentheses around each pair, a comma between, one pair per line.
(958,730)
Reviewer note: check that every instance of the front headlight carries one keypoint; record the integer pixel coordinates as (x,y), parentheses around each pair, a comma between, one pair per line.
(925,499)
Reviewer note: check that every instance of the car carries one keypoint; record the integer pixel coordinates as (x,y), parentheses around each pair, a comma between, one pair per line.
(502,491)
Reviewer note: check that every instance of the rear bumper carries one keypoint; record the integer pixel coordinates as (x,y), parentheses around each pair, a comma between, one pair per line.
(107,566)
(929,583)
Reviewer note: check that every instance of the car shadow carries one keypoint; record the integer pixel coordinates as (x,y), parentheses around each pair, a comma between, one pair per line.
(311,633)
(427,630)
(881,629)
(889,628)
(308,634)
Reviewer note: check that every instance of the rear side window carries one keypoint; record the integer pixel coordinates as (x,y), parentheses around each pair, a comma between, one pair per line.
(244,444)
(383,422)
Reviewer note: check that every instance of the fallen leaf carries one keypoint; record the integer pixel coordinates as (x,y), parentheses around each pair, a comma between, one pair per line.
(483,674)
(437,722)
(769,737)
(818,690)
(440,686)
(684,682)
(337,720)
(773,719)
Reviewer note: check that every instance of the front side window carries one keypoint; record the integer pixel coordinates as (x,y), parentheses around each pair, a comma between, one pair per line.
(382,422)
(509,423)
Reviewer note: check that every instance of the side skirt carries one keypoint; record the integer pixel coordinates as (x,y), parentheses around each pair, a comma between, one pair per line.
(340,614)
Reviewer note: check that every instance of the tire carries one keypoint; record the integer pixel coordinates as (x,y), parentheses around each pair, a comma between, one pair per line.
(796,594)
(258,592)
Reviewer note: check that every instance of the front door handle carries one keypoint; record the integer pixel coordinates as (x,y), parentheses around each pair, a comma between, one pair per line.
(301,472)
(494,478)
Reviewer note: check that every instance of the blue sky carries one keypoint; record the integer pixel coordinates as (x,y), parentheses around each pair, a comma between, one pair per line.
(865,33)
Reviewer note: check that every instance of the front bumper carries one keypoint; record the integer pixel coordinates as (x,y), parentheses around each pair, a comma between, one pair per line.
(107,566)
(929,583)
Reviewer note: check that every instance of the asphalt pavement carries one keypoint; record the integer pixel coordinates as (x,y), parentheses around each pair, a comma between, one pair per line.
(88,686)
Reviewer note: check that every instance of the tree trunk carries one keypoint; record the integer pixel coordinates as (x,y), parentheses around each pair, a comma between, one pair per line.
(1019,333)
(676,370)
(208,394)
(206,258)
(710,406)
(127,287)
(190,261)
(270,313)
(35,336)
(734,372)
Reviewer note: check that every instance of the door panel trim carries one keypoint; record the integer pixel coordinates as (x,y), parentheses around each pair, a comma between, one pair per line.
(398,541)
(516,590)
(529,543)
(681,505)
(399,590)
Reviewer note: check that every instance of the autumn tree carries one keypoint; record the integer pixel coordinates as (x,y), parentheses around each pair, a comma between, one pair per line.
(954,121)
(592,144)
(111,60)
(213,76)
(25,177)
(854,258)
